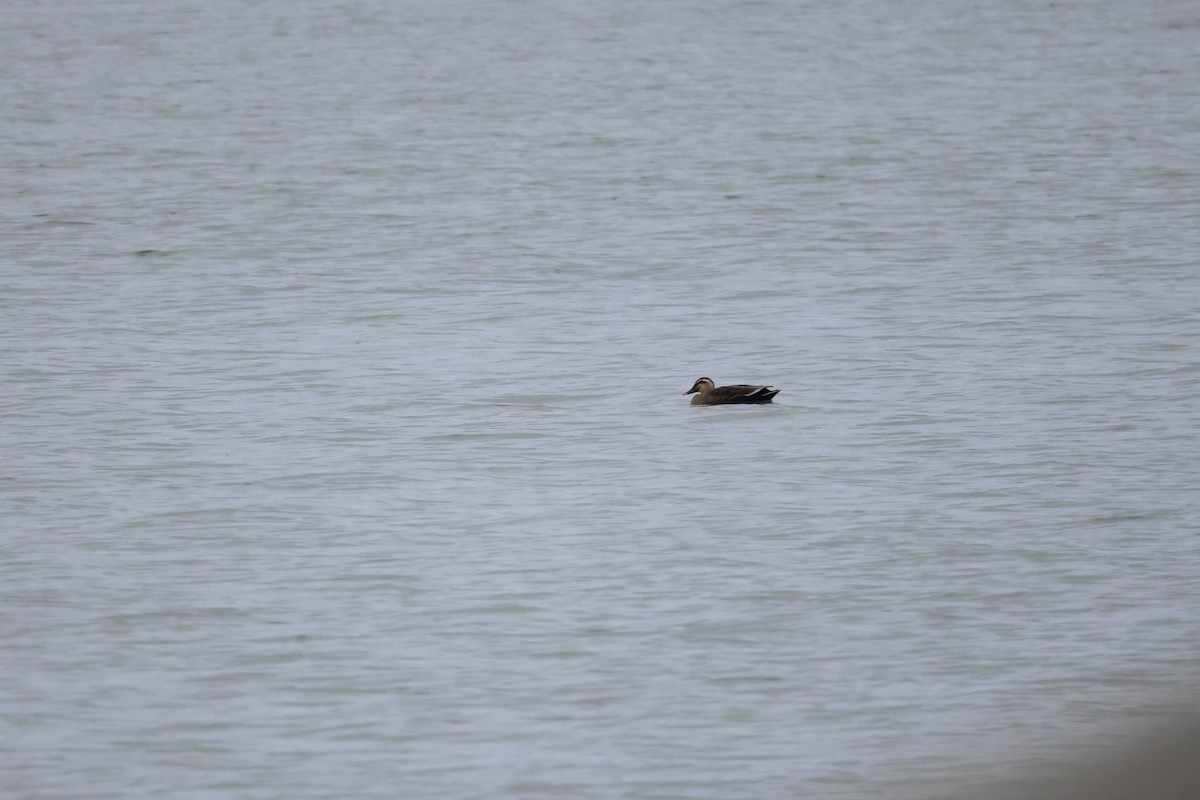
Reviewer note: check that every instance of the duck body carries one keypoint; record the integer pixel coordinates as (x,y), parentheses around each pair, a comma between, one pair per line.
(709,394)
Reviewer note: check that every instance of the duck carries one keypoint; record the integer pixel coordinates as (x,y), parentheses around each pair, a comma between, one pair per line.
(709,394)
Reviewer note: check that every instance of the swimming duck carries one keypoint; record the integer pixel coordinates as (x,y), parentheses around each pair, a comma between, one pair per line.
(709,394)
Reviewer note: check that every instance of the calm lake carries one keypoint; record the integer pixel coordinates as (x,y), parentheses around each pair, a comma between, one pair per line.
(343,447)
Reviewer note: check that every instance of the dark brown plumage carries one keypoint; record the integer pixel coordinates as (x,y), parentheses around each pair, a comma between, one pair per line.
(709,394)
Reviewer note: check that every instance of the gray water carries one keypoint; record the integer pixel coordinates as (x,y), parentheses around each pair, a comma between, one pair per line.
(343,448)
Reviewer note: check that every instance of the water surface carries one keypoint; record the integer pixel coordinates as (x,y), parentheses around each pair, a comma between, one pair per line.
(342,351)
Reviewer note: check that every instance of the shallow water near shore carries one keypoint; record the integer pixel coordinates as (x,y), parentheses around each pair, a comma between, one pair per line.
(344,447)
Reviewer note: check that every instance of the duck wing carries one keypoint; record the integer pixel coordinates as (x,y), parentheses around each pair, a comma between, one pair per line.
(742,393)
